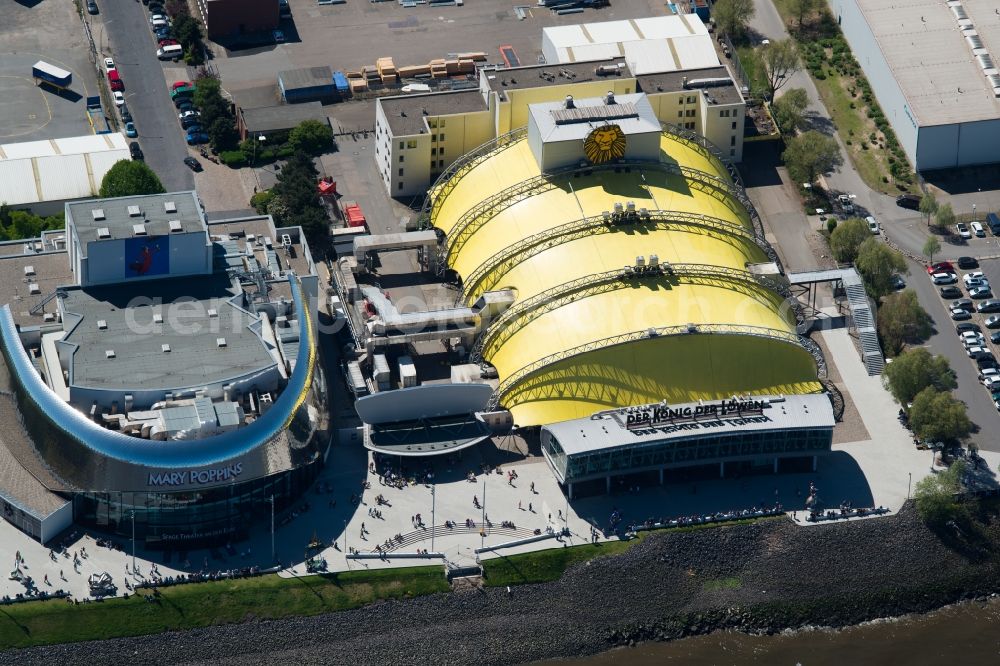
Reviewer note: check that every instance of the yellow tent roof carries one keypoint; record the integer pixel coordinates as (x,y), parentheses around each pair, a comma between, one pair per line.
(576,341)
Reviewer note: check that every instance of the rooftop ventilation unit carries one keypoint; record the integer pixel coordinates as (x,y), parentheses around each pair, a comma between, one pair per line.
(29,270)
(958,10)
(994,80)
(169,206)
(98,213)
(985,61)
(157,318)
(165,349)
(49,316)
(102,325)
(220,342)
(175,226)
(212,313)
(109,353)
(974,41)
(133,211)
(34,289)
(138,230)
(104,233)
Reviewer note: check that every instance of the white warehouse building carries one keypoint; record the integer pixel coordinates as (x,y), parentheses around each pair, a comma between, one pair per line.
(932,66)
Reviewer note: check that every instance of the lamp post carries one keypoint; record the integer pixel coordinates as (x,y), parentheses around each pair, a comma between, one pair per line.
(345,537)
(260,138)
(270,500)
(482,530)
(433,503)
(973,212)
(908,484)
(132,512)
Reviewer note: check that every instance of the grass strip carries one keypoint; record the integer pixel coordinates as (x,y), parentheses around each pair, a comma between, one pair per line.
(210,603)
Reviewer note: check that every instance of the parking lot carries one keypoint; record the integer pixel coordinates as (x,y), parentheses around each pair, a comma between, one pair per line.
(53,32)
(946,342)
(351,35)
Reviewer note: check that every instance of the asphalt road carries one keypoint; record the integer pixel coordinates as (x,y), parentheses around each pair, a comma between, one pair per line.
(945,342)
(134,51)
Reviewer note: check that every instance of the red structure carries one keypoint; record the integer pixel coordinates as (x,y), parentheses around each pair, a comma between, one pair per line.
(232,18)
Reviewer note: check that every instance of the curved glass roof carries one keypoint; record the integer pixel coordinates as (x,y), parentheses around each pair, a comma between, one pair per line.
(559,349)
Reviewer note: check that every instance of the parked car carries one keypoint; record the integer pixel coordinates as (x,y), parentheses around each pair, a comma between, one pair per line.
(992,383)
(977,351)
(181,84)
(977,229)
(192,163)
(967,262)
(966,326)
(194,129)
(987,362)
(194,139)
(109,64)
(963,304)
(963,231)
(972,338)
(119,97)
(185,105)
(983,291)
(167,42)
(993,321)
(130,130)
(183,91)
(960,315)
(163,32)
(188,114)
(991,305)
(157,17)
(974,275)
(995,337)
(940,267)
(944,278)
(279,36)
(988,372)
(950,292)
(911,201)
(125,113)
(872,224)
(190,122)
(135,150)
(92,7)
(898,282)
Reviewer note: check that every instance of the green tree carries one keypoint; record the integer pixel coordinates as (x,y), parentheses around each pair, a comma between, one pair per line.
(732,16)
(811,154)
(944,218)
(901,319)
(128,178)
(18,224)
(297,203)
(788,110)
(779,60)
(846,239)
(915,370)
(931,247)
(936,416)
(803,9)
(936,496)
(878,263)
(311,136)
(261,200)
(222,134)
(928,206)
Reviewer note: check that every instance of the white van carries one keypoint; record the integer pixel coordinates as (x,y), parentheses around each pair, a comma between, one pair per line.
(977,229)
(170,52)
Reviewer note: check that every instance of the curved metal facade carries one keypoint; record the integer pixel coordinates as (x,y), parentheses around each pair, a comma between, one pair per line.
(584,332)
(91,458)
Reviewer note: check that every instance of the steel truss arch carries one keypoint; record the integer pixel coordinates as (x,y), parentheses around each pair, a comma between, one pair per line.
(520,314)
(515,379)
(480,214)
(487,275)
(697,142)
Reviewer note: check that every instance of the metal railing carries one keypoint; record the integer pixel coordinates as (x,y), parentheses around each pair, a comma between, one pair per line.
(522,313)
(488,274)
(512,382)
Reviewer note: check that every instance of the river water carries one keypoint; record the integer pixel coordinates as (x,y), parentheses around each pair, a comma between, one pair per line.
(967,633)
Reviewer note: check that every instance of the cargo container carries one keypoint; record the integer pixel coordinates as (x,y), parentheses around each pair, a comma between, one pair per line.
(700,7)
(355,380)
(407,372)
(353,214)
(43,72)
(380,371)
(340,81)
(95,114)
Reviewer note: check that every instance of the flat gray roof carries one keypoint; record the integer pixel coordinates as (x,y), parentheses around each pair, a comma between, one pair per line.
(923,44)
(555,122)
(155,212)
(282,117)
(608,430)
(307,77)
(675,81)
(298,258)
(406,113)
(188,327)
(50,270)
(257,96)
(538,76)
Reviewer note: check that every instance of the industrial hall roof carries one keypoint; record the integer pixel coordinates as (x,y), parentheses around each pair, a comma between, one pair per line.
(599,321)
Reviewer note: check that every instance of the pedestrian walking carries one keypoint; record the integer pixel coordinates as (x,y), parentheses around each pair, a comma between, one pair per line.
(519,507)
(530,509)
(532,487)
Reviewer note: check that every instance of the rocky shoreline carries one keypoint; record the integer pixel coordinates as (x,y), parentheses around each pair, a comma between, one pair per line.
(759,578)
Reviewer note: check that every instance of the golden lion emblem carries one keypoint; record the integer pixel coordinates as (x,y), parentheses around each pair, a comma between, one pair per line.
(605,143)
